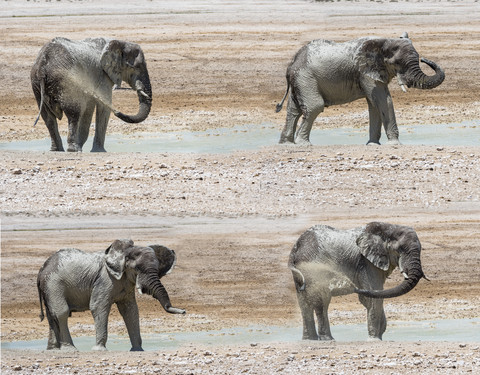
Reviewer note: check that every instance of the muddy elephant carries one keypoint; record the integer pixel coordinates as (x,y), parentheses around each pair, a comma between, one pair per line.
(76,78)
(324,73)
(326,262)
(72,280)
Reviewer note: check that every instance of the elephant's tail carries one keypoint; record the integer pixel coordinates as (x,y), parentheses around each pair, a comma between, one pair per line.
(280,105)
(298,278)
(42,94)
(40,297)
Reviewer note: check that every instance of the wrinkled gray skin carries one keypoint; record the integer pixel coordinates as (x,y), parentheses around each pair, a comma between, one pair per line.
(72,280)
(325,73)
(76,77)
(326,262)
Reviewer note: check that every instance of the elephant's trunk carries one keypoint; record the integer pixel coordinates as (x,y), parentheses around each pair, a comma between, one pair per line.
(416,78)
(155,288)
(412,276)
(144,92)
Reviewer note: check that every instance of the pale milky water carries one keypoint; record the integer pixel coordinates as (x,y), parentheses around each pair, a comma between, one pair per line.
(252,137)
(460,330)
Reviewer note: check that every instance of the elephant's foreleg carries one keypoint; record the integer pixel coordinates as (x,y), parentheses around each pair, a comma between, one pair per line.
(376,320)
(382,100)
(100,316)
(129,311)
(375,128)
(101,122)
(84,125)
(293,115)
(72,137)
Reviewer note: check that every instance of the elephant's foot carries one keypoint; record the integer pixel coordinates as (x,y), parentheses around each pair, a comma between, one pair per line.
(325,338)
(374,338)
(287,143)
(74,148)
(97,148)
(136,349)
(68,348)
(310,337)
(287,140)
(99,347)
(393,141)
(302,142)
(373,143)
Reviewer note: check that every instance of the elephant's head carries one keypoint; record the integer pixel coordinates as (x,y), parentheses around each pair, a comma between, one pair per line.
(145,265)
(387,246)
(124,61)
(383,59)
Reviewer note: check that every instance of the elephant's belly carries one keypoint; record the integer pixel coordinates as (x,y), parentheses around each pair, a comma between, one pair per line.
(78,301)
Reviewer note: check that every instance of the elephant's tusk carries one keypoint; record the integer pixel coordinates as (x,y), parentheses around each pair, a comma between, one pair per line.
(144,94)
(403,88)
(405,275)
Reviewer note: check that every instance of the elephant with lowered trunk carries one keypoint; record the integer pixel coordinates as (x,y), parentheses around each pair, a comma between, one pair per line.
(325,73)
(76,77)
(326,262)
(72,280)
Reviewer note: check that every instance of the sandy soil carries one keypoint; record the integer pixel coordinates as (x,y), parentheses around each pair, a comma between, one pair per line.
(233,218)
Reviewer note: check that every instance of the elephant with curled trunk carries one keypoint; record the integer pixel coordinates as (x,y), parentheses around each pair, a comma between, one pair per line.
(324,73)
(72,280)
(326,262)
(76,78)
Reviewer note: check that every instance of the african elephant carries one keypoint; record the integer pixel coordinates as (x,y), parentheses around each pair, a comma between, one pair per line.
(76,77)
(324,73)
(72,280)
(326,262)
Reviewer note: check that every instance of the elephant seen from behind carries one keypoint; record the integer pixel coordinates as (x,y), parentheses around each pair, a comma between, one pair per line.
(324,73)
(72,280)
(76,78)
(327,262)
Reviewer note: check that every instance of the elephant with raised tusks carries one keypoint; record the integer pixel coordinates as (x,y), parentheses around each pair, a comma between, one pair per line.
(72,280)
(326,262)
(324,73)
(76,78)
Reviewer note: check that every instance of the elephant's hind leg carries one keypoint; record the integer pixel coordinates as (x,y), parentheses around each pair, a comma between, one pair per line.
(311,108)
(293,115)
(59,325)
(321,308)
(52,126)
(309,331)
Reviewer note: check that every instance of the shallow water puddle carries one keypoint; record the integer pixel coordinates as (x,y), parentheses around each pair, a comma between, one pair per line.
(251,137)
(461,330)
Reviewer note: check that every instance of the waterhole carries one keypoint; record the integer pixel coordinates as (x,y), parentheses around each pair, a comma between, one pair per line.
(251,137)
(459,330)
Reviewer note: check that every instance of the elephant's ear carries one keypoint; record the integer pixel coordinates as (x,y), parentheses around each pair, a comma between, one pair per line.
(373,248)
(115,257)
(370,60)
(166,259)
(111,61)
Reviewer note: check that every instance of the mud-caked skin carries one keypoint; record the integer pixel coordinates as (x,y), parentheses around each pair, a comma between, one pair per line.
(77,77)
(72,280)
(326,262)
(324,73)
